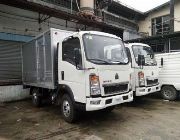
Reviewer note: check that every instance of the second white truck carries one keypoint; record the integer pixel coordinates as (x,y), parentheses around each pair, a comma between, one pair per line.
(145,70)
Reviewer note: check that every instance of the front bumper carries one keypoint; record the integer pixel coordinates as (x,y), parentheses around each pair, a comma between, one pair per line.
(141,91)
(103,102)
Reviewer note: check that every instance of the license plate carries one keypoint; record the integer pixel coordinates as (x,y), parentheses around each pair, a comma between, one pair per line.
(118,99)
(125,97)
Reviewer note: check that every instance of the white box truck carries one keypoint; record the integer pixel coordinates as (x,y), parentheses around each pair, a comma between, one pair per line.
(76,72)
(145,69)
(169,74)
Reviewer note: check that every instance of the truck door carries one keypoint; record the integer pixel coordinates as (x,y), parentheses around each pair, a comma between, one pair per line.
(133,76)
(69,74)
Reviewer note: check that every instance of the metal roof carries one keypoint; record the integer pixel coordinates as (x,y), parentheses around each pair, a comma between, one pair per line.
(124,10)
(158,7)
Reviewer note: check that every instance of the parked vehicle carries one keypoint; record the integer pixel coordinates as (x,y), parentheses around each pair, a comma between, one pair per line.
(169,74)
(145,70)
(76,72)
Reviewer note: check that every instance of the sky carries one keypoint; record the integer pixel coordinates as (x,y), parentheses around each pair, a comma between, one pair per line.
(143,5)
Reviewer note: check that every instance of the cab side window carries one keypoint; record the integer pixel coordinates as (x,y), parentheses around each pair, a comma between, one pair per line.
(68,47)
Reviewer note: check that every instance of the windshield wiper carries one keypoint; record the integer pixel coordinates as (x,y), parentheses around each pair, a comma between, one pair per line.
(100,60)
(118,62)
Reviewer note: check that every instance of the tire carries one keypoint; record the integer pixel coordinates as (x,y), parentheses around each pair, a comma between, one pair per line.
(36,98)
(169,93)
(68,110)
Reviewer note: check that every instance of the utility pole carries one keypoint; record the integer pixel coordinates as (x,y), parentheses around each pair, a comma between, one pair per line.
(172,3)
(71,6)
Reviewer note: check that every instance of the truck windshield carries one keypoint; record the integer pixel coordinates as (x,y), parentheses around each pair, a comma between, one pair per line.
(147,52)
(104,50)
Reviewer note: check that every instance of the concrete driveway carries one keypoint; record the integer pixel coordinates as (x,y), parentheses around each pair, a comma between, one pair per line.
(145,119)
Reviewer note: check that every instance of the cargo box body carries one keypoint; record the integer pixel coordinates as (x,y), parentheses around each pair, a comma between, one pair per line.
(170,71)
(40,59)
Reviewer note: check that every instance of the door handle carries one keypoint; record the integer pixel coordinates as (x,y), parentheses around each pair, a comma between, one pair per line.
(62,75)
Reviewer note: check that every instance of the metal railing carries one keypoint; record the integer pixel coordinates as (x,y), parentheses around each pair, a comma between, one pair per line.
(118,20)
(69,4)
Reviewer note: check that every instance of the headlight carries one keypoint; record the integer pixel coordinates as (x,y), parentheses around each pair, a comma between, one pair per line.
(141,79)
(94,85)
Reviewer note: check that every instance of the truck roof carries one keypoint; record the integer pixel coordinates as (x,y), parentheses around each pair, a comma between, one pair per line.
(90,32)
(98,33)
(80,32)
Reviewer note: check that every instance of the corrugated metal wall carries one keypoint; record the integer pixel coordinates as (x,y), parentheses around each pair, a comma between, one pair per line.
(10,62)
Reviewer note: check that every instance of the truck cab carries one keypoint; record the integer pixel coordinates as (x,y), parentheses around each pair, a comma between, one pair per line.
(145,70)
(84,70)
(96,79)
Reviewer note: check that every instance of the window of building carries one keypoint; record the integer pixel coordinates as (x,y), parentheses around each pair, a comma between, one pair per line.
(175,44)
(161,25)
(68,48)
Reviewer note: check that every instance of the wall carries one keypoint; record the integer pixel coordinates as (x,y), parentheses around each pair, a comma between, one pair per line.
(13,93)
(129,35)
(145,25)
(10,62)
(23,22)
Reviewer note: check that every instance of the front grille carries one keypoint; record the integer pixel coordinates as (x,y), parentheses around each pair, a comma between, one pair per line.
(116,88)
(152,82)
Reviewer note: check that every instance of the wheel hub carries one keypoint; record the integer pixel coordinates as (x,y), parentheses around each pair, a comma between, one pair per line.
(66,108)
(168,93)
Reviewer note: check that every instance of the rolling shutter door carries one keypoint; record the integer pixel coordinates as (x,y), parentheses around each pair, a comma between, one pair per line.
(10,62)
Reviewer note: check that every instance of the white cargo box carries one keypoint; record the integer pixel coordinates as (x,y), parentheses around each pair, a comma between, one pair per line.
(40,59)
(169,73)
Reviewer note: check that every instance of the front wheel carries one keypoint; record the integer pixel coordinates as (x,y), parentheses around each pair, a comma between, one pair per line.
(169,93)
(68,110)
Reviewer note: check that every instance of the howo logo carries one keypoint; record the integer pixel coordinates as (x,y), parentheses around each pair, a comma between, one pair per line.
(116,76)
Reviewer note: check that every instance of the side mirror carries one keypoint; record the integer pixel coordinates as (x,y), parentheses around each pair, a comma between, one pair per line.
(162,62)
(141,60)
(77,57)
(128,54)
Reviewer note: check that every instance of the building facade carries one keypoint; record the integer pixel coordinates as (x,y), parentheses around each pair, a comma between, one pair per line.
(21,20)
(157,20)
(161,26)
